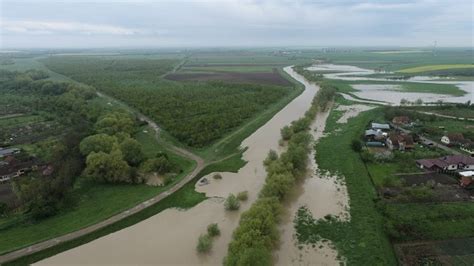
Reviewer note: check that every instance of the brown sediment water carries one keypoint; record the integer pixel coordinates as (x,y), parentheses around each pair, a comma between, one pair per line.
(170,236)
(321,194)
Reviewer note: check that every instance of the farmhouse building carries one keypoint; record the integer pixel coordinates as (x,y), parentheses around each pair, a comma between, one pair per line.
(400,142)
(371,135)
(383,127)
(447,163)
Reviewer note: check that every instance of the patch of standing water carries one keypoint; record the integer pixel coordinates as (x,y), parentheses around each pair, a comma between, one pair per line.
(170,237)
(321,194)
(379,92)
(351,111)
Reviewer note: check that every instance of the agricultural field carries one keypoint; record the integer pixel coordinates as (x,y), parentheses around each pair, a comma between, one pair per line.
(195,114)
(445,252)
(270,78)
(397,61)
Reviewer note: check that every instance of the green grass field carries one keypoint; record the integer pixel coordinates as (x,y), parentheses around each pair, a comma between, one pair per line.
(434,67)
(412,221)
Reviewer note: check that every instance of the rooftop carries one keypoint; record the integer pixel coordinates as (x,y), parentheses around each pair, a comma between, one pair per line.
(380,126)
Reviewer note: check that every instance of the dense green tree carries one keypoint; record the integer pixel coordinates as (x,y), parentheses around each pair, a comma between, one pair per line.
(97,143)
(115,122)
(160,165)
(132,151)
(109,168)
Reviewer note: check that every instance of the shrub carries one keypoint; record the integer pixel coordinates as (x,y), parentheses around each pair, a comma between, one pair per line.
(232,203)
(243,196)
(286,132)
(160,165)
(217,176)
(168,180)
(204,244)
(3,208)
(271,157)
(356,145)
(213,230)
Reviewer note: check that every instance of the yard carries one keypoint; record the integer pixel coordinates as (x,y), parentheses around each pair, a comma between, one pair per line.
(446,252)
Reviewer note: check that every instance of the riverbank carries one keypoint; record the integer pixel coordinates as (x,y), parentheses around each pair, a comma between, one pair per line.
(153,234)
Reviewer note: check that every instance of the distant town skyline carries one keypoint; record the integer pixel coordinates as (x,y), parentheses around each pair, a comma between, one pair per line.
(145,23)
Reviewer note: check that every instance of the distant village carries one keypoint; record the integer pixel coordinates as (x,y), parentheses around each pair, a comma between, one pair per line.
(384,138)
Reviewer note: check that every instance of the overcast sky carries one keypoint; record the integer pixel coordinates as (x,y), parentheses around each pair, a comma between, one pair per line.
(146,23)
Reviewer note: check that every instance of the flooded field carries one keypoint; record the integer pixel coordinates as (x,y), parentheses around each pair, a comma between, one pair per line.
(392,94)
(322,195)
(389,92)
(170,237)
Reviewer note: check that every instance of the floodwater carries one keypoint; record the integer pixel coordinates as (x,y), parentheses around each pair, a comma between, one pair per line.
(351,111)
(389,92)
(322,194)
(170,237)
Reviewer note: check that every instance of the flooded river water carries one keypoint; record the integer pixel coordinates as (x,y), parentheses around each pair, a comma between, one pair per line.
(170,237)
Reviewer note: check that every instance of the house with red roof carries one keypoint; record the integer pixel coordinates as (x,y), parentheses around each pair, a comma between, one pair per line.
(447,163)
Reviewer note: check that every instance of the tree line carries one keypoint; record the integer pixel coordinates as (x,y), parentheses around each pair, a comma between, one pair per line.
(257,234)
(97,143)
(195,113)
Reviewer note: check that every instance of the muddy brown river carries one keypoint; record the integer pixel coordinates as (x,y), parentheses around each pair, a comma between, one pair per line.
(170,237)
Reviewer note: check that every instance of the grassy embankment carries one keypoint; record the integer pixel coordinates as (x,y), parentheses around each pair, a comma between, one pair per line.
(435,67)
(362,240)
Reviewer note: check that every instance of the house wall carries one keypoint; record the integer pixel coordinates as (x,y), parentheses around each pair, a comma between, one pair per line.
(469,167)
(452,167)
